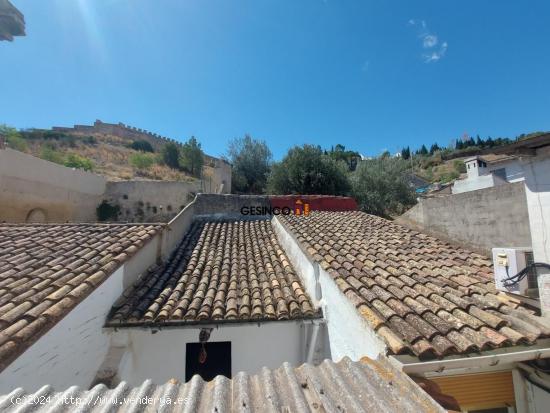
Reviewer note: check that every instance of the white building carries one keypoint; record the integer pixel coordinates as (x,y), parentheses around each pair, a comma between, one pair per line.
(483,172)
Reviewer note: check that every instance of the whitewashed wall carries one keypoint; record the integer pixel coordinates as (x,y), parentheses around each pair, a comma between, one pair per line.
(513,168)
(348,333)
(72,352)
(161,356)
(537,191)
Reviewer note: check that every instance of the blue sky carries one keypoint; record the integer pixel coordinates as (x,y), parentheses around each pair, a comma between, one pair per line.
(371,75)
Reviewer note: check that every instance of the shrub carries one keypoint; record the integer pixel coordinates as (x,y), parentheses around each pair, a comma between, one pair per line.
(89,140)
(449,176)
(49,153)
(459,166)
(142,145)
(76,161)
(141,160)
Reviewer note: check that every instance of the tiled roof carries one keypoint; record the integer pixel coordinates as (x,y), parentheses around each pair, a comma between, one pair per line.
(365,386)
(221,271)
(46,270)
(420,294)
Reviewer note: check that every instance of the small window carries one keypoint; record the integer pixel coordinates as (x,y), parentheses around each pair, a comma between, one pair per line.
(217,361)
(468,166)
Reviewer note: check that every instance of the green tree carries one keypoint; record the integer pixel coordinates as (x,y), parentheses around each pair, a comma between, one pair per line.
(191,157)
(423,150)
(307,170)
(434,148)
(479,142)
(251,160)
(13,138)
(141,160)
(170,155)
(340,154)
(380,186)
(406,153)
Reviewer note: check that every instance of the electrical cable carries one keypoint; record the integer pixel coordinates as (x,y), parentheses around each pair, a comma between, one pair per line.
(510,281)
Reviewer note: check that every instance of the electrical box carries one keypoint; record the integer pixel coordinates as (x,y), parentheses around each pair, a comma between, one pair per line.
(507,262)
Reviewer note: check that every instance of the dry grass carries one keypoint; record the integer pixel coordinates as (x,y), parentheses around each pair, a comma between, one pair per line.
(110,156)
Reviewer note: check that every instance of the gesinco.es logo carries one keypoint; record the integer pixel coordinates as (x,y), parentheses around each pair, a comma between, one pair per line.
(300,208)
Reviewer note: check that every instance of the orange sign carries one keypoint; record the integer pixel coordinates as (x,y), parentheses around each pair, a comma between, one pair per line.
(301,208)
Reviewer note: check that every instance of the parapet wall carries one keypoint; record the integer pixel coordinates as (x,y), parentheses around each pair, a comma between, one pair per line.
(482,219)
(118,129)
(150,201)
(231,205)
(35,190)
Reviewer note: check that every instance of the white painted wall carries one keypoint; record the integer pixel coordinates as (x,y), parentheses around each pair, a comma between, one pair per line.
(475,183)
(71,352)
(348,333)
(513,167)
(161,356)
(307,271)
(537,192)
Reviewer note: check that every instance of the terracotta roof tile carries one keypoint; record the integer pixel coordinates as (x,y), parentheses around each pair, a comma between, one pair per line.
(222,270)
(46,270)
(420,294)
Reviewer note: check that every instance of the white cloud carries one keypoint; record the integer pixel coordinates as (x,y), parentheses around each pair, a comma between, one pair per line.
(430,42)
(435,55)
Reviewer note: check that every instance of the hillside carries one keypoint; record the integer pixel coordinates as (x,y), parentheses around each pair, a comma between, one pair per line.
(444,165)
(103,153)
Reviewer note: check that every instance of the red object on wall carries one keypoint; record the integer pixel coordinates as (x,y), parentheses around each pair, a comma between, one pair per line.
(316,202)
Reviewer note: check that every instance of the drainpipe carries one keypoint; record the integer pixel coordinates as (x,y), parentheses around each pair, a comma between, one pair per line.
(313,342)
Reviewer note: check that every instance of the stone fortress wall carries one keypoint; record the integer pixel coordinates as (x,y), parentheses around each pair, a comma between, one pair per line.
(216,173)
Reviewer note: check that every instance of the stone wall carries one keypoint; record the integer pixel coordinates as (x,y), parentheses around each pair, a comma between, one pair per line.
(482,219)
(35,190)
(150,201)
(216,172)
(230,205)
